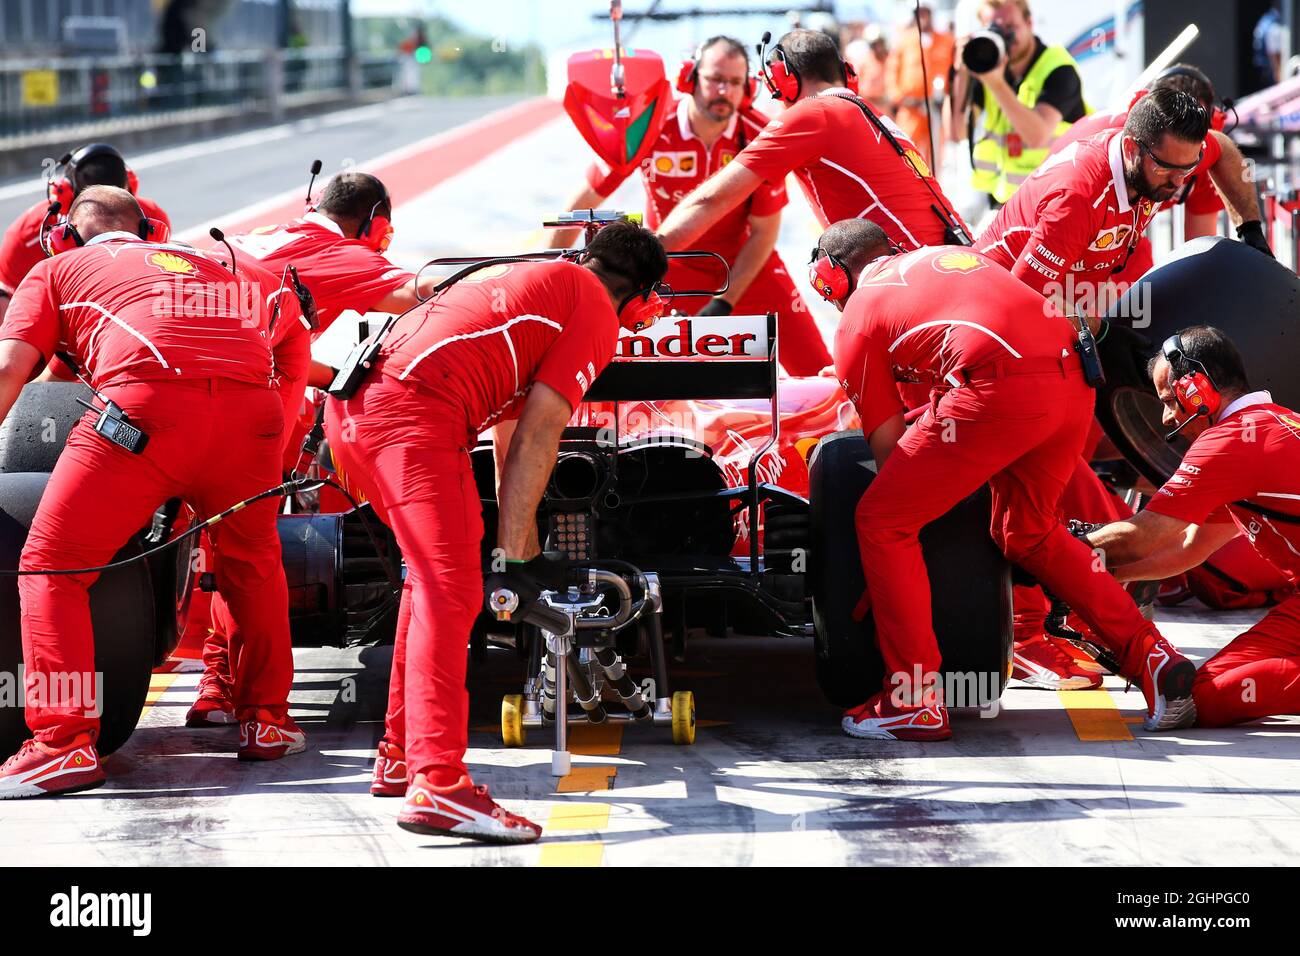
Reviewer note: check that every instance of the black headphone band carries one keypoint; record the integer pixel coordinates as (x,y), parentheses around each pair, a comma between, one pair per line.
(89,151)
(364,228)
(1173,350)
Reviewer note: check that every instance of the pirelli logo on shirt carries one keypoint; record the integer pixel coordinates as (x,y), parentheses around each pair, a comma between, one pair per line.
(673,163)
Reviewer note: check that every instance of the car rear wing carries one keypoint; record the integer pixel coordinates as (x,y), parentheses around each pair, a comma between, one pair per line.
(682,357)
(690,358)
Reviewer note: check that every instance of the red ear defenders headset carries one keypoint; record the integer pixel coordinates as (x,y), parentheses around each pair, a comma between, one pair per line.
(641,309)
(830,277)
(60,235)
(377,231)
(783,80)
(62,186)
(1195,391)
(688,75)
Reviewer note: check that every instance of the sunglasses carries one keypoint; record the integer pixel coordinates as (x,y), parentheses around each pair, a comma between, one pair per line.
(1171,167)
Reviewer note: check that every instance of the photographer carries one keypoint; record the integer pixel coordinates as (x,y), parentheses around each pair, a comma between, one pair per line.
(1026,98)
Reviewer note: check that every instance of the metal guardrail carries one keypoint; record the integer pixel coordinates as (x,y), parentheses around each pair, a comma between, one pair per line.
(45,94)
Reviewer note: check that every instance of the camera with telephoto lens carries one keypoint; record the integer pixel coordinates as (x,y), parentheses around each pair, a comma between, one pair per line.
(986,48)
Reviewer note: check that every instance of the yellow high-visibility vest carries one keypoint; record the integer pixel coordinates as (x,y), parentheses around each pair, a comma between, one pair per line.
(997,172)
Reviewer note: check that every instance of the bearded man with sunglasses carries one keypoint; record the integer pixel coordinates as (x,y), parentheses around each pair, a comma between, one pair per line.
(1078,218)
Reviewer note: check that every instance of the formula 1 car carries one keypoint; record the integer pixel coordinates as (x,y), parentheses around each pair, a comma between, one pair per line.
(691,461)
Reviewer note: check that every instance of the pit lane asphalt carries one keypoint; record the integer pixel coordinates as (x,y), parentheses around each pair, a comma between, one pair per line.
(200,185)
(770,780)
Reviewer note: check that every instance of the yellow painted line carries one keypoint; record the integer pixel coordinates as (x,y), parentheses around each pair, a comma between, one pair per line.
(578,816)
(587,780)
(596,740)
(159,684)
(569,817)
(572,854)
(1094,715)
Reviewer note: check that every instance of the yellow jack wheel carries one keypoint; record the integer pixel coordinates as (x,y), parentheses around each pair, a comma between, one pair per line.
(512,720)
(683,717)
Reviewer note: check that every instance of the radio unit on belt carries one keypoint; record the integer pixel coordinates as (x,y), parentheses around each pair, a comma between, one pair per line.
(114,425)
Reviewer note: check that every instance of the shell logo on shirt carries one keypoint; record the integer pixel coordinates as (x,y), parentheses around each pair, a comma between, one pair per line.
(678,163)
(917,163)
(488,272)
(1112,238)
(962,262)
(170,262)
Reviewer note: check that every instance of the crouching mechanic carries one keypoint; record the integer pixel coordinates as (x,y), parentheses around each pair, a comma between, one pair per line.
(152,327)
(1011,408)
(525,341)
(1241,475)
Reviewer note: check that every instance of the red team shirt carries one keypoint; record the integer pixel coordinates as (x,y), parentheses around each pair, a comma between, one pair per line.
(847,169)
(131,311)
(1071,217)
(1253,456)
(341,272)
(1198,191)
(680,162)
(482,344)
(924,317)
(20,250)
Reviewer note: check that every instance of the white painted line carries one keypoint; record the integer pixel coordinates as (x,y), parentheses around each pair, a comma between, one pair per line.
(394,155)
(176,154)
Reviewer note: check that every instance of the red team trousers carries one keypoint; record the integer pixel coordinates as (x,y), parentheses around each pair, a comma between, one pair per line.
(212,442)
(408,451)
(1256,675)
(220,653)
(1023,434)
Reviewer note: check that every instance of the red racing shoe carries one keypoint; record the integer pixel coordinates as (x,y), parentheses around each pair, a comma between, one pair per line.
(462,810)
(39,770)
(1041,663)
(1166,681)
(215,706)
(880,719)
(390,771)
(265,738)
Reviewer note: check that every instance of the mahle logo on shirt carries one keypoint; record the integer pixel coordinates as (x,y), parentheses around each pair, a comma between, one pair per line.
(170,262)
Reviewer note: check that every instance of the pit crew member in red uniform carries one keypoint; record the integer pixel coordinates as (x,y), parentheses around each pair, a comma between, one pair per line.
(841,152)
(1073,224)
(158,330)
(1067,233)
(91,165)
(337,249)
(1010,408)
(714,122)
(521,341)
(1241,476)
(1222,171)
(215,701)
